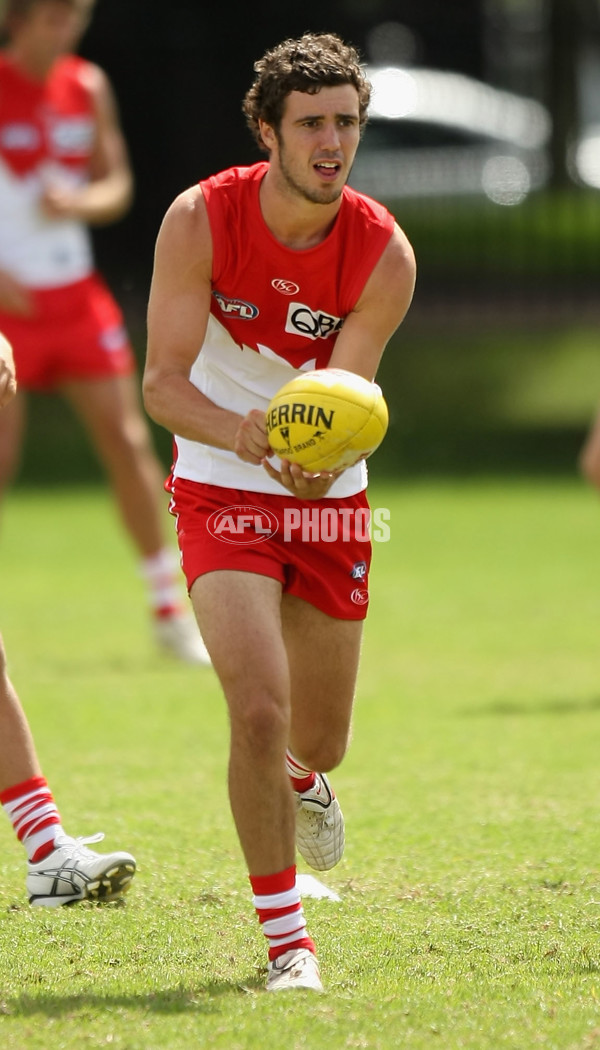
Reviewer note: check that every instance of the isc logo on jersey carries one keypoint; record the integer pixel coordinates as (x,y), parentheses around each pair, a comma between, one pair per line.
(314,324)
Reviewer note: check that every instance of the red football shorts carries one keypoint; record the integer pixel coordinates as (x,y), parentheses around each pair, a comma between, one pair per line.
(319,550)
(76,332)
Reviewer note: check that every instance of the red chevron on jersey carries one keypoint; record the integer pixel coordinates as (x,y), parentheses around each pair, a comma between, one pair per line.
(51,120)
(276,301)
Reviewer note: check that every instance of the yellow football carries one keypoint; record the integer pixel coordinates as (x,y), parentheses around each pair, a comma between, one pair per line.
(327,419)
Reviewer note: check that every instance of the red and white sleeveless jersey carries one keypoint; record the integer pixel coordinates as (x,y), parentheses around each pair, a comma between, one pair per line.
(274,312)
(47,132)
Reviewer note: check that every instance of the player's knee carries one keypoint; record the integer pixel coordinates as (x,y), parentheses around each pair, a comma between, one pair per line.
(124,442)
(263,723)
(324,755)
(134,437)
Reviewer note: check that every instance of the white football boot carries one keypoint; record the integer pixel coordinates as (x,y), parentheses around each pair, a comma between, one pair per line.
(320,835)
(179,636)
(73,873)
(298,968)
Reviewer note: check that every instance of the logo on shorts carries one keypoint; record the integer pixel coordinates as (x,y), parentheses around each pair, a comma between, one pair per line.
(359,571)
(285,287)
(359,596)
(113,339)
(242,524)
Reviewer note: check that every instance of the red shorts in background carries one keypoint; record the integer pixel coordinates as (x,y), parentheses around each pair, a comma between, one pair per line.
(319,550)
(77,332)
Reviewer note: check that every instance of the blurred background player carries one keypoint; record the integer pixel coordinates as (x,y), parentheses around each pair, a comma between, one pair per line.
(325,277)
(64,166)
(60,869)
(589,459)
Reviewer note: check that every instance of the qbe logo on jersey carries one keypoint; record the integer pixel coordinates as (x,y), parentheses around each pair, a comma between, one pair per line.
(242,524)
(313,324)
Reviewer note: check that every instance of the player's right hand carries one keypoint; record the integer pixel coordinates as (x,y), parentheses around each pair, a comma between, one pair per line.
(251,443)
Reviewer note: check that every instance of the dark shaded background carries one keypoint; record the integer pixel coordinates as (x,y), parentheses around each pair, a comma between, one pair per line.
(180,69)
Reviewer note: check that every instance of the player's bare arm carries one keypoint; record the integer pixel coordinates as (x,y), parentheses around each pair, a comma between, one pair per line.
(178,312)
(381,308)
(109,193)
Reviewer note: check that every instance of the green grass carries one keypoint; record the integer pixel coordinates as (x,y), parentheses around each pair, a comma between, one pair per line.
(470,912)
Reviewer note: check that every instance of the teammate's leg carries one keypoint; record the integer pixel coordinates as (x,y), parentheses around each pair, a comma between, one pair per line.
(18,759)
(60,869)
(589,459)
(111,411)
(12,428)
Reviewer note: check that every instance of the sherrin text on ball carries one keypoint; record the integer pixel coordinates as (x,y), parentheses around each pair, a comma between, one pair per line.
(327,419)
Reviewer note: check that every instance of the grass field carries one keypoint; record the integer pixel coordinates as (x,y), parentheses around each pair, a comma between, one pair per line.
(470,910)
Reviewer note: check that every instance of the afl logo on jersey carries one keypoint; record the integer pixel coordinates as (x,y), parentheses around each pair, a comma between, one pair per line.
(285,287)
(236,307)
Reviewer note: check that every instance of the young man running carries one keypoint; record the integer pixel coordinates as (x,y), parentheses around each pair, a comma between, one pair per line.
(272,269)
(64,166)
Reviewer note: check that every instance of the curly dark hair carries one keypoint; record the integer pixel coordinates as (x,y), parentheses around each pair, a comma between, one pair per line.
(21,8)
(13,12)
(313,61)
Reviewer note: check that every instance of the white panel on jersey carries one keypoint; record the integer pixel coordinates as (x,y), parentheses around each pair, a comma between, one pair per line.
(38,251)
(237,378)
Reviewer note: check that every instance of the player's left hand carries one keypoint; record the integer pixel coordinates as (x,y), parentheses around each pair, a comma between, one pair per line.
(57,202)
(299,482)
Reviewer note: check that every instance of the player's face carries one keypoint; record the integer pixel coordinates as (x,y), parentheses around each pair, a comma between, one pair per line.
(315,145)
(51,29)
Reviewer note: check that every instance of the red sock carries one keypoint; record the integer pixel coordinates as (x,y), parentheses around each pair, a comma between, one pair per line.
(302,779)
(280,912)
(162,577)
(165,612)
(32,811)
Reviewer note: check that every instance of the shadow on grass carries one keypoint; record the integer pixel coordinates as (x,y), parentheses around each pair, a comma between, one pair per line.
(509,708)
(167,1001)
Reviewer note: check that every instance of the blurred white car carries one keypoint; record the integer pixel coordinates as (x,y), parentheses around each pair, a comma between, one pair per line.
(583,159)
(436,134)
